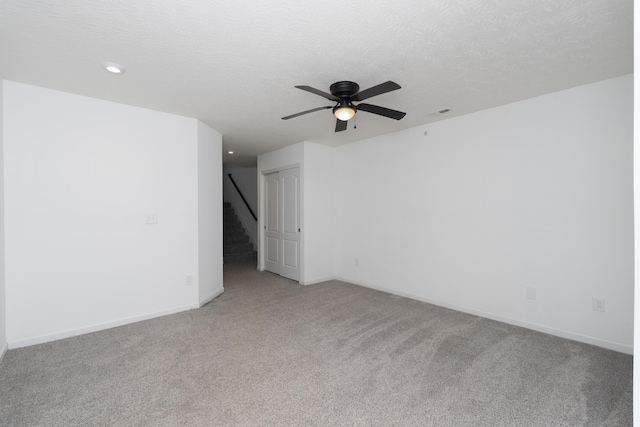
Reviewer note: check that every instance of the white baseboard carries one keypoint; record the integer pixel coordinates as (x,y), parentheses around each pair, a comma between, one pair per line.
(3,351)
(210,298)
(314,281)
(622,348)
(95,328)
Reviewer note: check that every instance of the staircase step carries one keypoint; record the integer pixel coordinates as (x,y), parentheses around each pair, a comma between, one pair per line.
(233,240)
(235,248)
(231,231)
(236,244)
(233,227)
(246,256)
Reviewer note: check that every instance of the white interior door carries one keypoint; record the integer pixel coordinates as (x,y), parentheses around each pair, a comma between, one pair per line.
(272,222)
(282,223)
(290,235)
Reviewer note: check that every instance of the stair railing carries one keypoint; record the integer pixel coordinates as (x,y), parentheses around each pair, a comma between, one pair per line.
(242,197)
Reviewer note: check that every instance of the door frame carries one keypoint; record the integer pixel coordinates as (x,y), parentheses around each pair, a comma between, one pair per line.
(262,216)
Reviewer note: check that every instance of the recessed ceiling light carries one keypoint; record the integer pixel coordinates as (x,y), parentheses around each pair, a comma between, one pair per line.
(229,152)
(113,67)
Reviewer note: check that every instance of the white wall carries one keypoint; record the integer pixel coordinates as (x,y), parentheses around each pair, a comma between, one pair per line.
(532,194)
(636,194)
(80,176)
(3,309)
(246,179)
(319,215)
(209,214)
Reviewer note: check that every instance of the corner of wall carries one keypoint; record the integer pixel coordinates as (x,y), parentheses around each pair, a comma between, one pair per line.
(210,276)
(3,351)
(636,198)
(3,304)
(206,300)
(318,211)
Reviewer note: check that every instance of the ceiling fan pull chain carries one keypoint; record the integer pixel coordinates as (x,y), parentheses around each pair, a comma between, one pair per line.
(355,122)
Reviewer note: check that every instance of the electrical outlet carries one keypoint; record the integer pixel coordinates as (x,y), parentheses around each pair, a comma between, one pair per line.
(189,280)
(598,304)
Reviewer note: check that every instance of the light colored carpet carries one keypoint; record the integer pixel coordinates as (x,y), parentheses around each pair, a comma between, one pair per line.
(269,352)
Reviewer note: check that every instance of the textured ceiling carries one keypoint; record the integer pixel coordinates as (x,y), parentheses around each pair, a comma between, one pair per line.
(234,64)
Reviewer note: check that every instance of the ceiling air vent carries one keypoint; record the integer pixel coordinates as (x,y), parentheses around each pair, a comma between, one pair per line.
(437,113)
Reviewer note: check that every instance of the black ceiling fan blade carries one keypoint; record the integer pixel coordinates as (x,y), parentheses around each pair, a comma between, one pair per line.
(376,90)
(340,125)
(319,92)
(305,112)
(386,112)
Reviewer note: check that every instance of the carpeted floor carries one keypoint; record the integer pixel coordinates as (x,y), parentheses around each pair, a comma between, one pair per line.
(269,352)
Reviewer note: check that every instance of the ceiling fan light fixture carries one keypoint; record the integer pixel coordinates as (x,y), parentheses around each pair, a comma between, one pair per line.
(344,112)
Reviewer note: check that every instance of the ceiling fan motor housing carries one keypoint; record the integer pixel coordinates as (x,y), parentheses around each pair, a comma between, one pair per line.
(344,89)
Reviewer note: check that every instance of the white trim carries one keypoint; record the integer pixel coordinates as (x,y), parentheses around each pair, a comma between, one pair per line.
(3,351)
(95,328)
(209,299)
(623,348)
(280,168)
(313,282)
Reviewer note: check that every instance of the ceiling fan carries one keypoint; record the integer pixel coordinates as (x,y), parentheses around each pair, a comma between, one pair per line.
(345,94)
